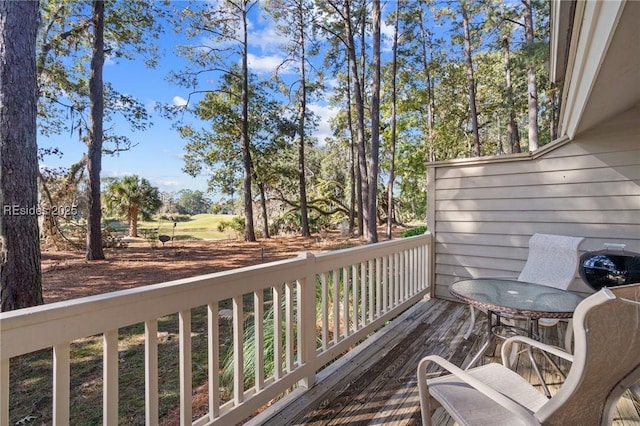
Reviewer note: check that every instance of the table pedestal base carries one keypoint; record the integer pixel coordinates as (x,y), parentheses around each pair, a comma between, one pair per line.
(495,325)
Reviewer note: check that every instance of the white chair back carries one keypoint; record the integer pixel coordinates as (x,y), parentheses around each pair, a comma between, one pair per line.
(552,260)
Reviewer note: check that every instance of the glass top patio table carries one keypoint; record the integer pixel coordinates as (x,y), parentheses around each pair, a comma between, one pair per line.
(517,298)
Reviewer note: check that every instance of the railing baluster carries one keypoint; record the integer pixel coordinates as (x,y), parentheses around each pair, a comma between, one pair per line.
(184,327)
(378,287)
(258,318)
(61,384)
(277,331)
(410,276)
(403,272)
(363,294)
(371,289)
(416,269)
(407,273)
(385,283)
(345,301)
(214,360)
(289,326)
(336,307)
(417,265)
(151,372)
(396,279)
(238,350)
(110,378)
(325,310)
(424,271)
(356,298)
(299,312)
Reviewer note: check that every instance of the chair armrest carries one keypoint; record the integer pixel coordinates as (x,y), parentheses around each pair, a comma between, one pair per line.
(525,414)
(553,350)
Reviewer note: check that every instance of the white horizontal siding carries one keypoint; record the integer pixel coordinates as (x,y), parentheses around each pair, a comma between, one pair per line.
(482,212)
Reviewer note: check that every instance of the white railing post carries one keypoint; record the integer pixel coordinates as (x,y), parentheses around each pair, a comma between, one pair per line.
(151,372)
(61,384)
(110,378)
(184,328)
(307,295)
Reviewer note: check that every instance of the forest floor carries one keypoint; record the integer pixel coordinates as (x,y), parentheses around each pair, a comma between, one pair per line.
(67,275)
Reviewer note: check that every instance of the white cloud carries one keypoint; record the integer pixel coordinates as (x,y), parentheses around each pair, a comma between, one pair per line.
(267,37)
(165,184)
(324,114)
(117,174)
(179,101)
(387,36)
(266,64)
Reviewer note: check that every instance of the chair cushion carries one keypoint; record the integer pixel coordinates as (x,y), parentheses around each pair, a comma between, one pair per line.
(471,407)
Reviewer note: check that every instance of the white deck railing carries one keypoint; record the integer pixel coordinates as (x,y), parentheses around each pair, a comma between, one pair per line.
(320,306)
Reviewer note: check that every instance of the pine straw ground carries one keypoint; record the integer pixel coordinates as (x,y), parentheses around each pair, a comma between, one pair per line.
(67,275)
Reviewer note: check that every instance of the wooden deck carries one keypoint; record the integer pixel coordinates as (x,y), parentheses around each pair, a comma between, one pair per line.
(376,383)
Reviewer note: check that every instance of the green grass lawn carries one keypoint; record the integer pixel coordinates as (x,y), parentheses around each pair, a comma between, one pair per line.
(197,227)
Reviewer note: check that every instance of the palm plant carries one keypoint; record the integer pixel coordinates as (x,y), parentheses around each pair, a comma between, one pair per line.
(269,335)
(130,197)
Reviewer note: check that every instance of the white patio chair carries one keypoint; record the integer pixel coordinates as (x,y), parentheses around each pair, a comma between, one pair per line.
(552,261)
(605,364)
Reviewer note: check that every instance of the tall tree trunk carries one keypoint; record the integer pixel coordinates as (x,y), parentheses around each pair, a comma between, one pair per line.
(352,164)
(265,217)
(394,100)
(133,219)
(304,218)
(427,44)
(249,230)
(372,207)
(513,136)
(471,80)
(94,155)
(20,274)
(532,87)
(359,105)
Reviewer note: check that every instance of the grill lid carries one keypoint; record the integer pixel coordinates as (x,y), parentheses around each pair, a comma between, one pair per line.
(610,267)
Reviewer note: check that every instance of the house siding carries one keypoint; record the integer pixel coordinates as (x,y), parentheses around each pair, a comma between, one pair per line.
(482,212)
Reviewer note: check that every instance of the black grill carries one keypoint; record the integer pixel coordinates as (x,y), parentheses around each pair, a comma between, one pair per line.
(609,268)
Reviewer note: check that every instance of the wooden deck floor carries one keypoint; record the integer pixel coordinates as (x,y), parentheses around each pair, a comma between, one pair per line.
(376,383)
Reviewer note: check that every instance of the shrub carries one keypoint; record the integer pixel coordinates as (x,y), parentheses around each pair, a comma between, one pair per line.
(419,230)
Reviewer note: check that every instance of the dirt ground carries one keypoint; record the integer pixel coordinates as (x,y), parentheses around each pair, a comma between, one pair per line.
(67,275)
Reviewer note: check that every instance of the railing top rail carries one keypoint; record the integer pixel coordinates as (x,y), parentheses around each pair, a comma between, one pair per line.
(339,258)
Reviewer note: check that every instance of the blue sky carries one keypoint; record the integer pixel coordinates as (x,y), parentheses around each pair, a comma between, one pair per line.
(158,153)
